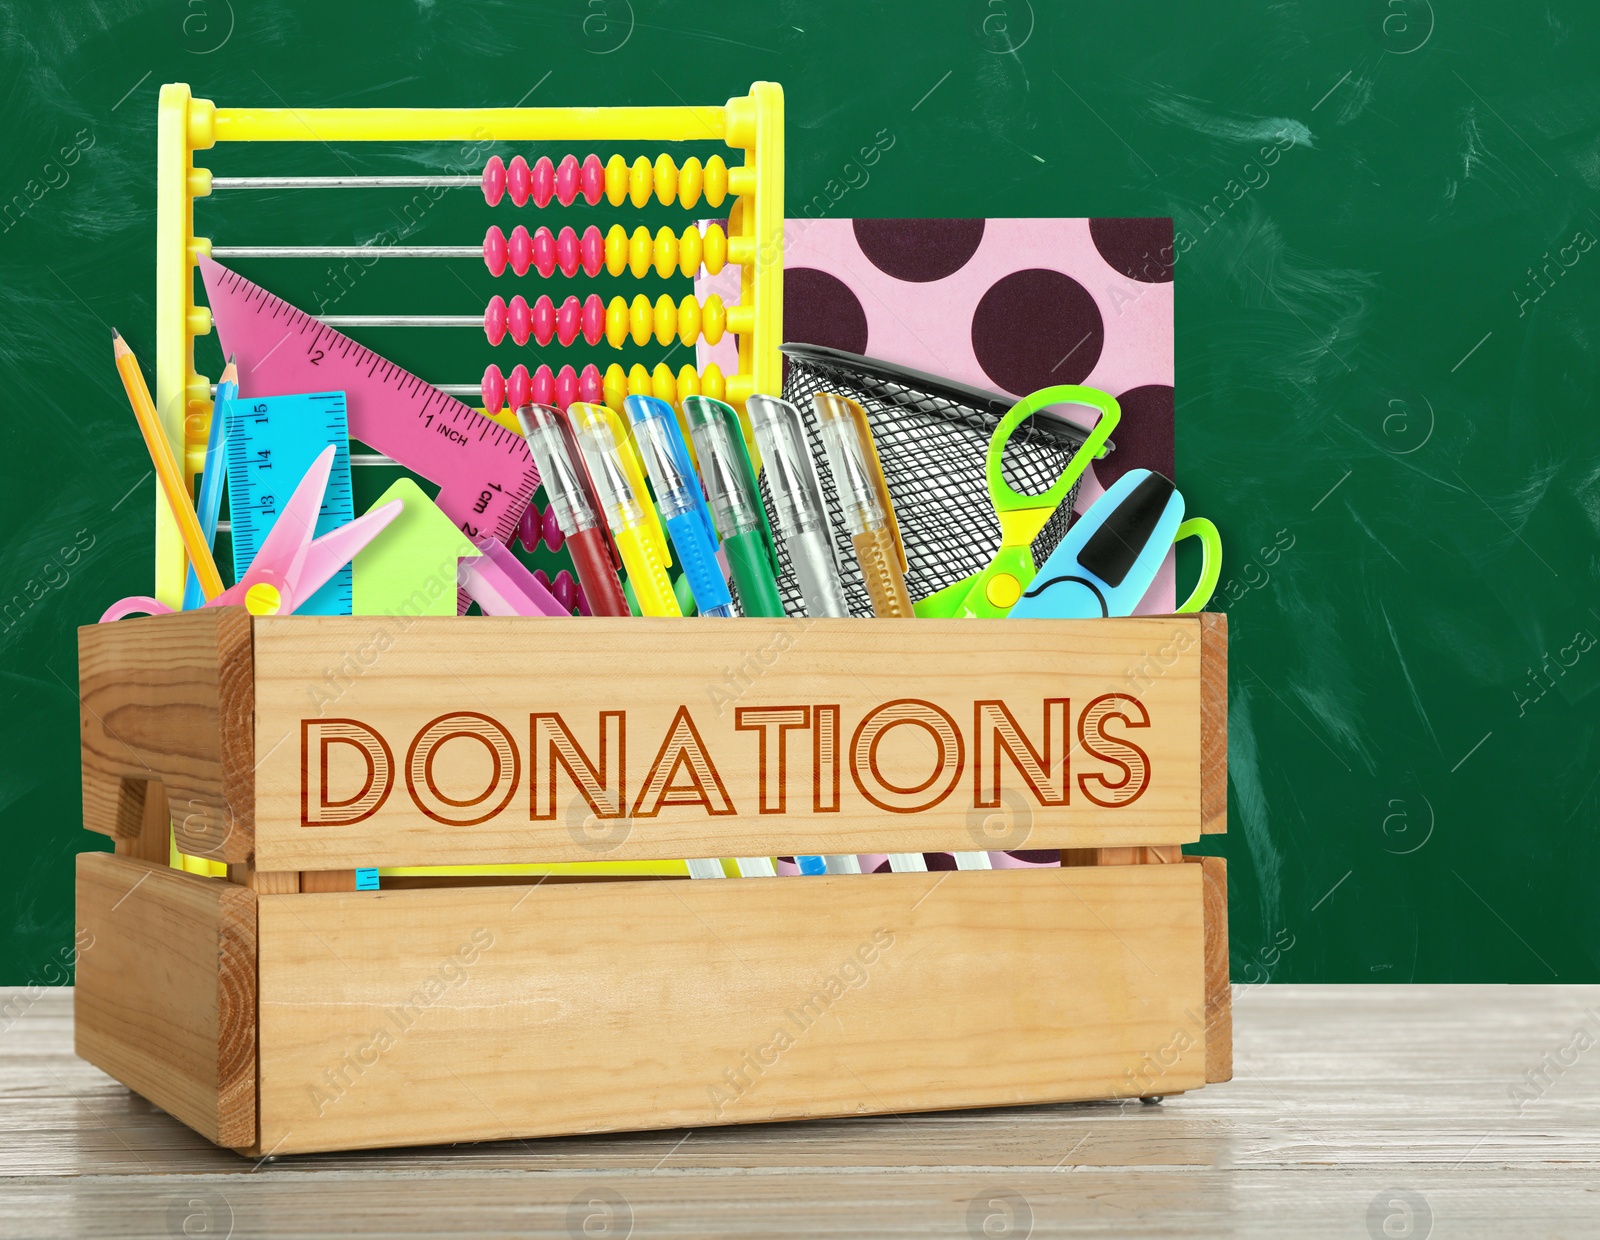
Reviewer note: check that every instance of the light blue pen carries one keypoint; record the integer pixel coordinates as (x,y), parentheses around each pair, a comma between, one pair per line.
(210,505)
(680,501)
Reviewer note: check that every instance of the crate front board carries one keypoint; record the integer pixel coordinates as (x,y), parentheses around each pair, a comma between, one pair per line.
(454,1012)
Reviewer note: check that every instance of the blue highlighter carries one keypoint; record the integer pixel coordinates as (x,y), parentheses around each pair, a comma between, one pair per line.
(1110,556)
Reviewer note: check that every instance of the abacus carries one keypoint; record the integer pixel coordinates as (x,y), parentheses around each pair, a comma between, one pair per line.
(749,192)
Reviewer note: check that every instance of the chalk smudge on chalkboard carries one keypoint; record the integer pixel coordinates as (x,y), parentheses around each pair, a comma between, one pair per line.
(1188,112)
(1411,685)
(1250,799)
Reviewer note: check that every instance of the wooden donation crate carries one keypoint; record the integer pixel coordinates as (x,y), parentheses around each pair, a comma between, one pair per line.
(282,1010)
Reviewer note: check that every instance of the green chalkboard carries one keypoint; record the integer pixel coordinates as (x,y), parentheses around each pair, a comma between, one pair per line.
(1387,342)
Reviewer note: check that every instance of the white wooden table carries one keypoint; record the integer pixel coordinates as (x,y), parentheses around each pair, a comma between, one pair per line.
(1354,1109)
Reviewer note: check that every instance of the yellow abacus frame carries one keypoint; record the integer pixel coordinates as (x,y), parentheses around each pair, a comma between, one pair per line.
(752,123)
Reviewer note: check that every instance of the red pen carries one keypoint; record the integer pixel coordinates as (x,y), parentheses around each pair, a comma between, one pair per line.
(571,495)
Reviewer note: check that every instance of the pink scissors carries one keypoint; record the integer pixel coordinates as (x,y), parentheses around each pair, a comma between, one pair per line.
(291,565)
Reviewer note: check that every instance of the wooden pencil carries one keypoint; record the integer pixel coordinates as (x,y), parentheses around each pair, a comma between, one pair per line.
(144,412)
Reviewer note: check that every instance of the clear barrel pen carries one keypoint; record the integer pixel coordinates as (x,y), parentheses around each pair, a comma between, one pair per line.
(681,501)
(735,503)
(864,498)
(797,500)
(568,491)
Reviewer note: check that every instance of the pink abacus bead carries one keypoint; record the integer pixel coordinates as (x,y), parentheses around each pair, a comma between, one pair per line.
(594,179)
(566,387)
(544,320)
(592,250)
(520,250)
(569,321)
(544,182)
(494,319)
(591,388)
(544,386)
(583,602)
(493,390)
(494,180)
(551,528)
(563,588)
(544,251)
(517,180)
(567,252)
(494,252)
(567,180)
(594,318)
(517,320)
(518,387)
(528,527)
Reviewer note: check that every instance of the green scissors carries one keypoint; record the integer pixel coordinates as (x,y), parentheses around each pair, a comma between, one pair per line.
(992,592)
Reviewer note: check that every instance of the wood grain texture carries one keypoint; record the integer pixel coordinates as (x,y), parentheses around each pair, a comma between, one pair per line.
(171,698)
(1219,994)
(396,1017)
(154,841)
(166,990)
(270,882)
(327,880)
(398,677)
(1213,722)
(1342,1093)
(1169,854)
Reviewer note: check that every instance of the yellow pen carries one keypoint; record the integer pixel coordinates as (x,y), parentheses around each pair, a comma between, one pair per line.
(619,486)
(864,497)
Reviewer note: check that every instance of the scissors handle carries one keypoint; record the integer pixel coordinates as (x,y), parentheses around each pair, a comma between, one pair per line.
(1000,493)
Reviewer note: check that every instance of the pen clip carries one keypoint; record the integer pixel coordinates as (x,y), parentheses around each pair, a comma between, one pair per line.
(629,456)
(677,444)
(730,419)
(879,483)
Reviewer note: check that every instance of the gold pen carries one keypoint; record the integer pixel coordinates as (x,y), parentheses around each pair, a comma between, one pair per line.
(864,497)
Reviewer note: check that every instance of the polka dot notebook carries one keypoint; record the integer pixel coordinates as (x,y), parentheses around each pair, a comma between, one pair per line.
(1005,305)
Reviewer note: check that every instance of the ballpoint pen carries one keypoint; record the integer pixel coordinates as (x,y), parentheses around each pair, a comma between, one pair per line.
(735,502)
(209,506)
(864,497)
(680,500)
(570,493)
(797,501)
(619,488)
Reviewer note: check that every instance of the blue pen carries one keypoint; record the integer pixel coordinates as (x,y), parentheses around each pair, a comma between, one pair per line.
(210,505)
(680,501)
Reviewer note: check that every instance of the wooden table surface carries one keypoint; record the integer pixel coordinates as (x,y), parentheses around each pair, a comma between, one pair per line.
(1355,1111)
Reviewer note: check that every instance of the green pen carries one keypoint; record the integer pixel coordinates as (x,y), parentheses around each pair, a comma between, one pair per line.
(735,503)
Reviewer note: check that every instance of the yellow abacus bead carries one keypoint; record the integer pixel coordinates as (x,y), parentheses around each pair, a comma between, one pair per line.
(666,180)
(688,382)
(616,181)
(641,319)
(663,386)
(666,252)
(615,385)
(716,181)
(638,381)
(639,252)
(688,321)
(689,181)
(666,319)
(711,382)
(639,182)
(616,249)
(616,322)
(689,251)
(714,317)
(716,249)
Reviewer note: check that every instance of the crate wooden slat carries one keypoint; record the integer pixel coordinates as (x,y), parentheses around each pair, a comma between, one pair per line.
(493,1012)
(166,990)
(393,678)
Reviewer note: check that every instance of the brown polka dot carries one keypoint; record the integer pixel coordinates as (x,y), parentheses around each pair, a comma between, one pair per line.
(939,861)
(1036,328)
(1143,437)
(820,309)
(1036,856)
(918,251)
(1139,249)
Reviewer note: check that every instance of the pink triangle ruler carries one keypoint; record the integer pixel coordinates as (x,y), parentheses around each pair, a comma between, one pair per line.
(484,472)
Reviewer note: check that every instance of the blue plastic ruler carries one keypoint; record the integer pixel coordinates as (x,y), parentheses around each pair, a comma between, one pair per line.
(272,441)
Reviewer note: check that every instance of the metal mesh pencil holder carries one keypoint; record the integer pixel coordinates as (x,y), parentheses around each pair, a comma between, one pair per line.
(931,435)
